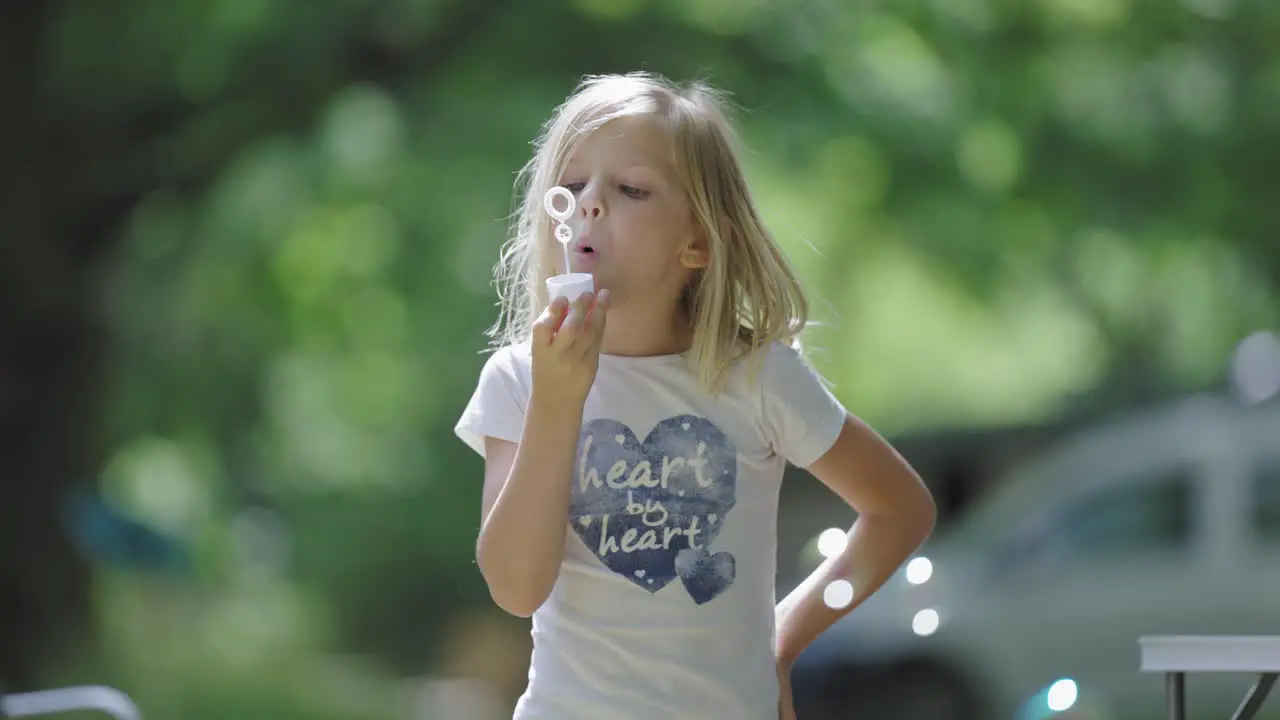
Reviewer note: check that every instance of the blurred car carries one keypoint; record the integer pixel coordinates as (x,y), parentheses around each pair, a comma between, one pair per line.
(1166,521)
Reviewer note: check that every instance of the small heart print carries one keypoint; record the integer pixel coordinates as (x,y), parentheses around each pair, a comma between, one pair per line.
(640,573)
(711,518)
(705,575)
(585,520)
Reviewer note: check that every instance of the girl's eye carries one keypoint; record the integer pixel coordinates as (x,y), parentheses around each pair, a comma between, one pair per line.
(633,192)
(575,188)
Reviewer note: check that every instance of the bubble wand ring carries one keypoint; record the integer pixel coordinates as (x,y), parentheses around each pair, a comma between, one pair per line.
(564,233)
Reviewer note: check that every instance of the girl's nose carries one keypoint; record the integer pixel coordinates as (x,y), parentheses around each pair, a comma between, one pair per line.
(589,203)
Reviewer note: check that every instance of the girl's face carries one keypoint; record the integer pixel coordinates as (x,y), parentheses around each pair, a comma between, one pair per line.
(634,230)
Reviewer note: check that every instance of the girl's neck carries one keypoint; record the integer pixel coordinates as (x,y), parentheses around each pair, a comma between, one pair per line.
(633,332)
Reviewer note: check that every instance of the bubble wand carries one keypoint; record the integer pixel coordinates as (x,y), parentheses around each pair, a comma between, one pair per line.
(564,233)
(570,284)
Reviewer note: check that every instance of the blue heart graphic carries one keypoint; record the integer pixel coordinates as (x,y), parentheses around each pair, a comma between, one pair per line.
(639,505)
(705,575)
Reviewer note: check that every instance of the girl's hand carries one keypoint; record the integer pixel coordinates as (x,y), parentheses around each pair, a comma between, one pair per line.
(566,347)
(786,703)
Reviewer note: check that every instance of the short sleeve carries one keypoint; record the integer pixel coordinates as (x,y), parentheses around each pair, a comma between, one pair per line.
(802,418)
(497,406)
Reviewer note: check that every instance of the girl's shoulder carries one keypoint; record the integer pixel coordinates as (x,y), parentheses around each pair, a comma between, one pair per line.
(773,359)
(509,365)
(510,357)
(800,414)
(781,371)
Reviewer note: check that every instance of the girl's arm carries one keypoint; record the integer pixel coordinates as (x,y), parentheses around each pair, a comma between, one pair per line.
(523,512)
(896,513)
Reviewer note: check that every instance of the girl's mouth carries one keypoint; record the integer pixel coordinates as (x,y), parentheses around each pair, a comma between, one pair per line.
(584,257)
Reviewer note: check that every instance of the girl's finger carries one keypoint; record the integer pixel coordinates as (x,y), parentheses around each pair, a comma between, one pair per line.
(572,325)
(545,327)
(559,308)
(598,315)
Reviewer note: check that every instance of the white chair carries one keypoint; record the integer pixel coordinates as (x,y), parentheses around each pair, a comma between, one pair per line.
(1177,655)
(85,697)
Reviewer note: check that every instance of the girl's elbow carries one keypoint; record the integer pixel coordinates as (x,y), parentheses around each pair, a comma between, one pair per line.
(521,605)
(516,593)
(517,597)
(925,516)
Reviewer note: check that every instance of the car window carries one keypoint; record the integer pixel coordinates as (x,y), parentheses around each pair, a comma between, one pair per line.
(1266,499)
(1137,516)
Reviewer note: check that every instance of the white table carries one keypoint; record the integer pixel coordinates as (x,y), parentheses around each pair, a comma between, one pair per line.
(86,697)
(1177,655)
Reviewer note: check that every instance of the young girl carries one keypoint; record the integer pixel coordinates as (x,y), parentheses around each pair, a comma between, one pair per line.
(635,439)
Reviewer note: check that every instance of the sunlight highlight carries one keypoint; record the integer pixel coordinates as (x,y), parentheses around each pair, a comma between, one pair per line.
(838,594)
(832,542)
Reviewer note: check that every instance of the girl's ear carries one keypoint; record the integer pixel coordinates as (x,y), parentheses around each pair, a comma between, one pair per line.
(697,255)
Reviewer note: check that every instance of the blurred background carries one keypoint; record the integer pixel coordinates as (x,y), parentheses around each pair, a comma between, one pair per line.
(245,274)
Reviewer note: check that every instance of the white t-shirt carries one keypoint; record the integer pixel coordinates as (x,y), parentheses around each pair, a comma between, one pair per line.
(665,599)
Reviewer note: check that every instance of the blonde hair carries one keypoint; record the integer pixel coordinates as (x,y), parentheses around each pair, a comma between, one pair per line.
(746,298)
